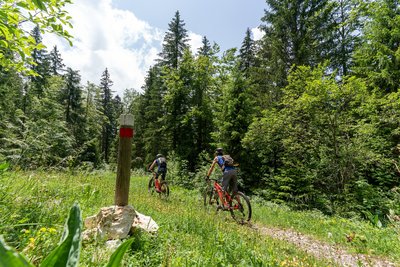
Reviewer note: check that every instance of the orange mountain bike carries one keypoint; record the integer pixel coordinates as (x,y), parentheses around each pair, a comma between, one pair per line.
(238,204)
(162,188)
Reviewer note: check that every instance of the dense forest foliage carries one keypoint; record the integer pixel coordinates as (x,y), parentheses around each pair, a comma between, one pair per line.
(311,111)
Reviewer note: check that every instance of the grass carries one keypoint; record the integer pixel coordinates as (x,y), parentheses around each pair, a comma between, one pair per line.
(36,204)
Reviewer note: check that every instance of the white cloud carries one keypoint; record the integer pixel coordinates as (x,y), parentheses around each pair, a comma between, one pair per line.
(195,41)
(106,37)
(257,34)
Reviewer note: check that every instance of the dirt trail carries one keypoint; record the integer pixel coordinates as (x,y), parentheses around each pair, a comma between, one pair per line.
(321,249)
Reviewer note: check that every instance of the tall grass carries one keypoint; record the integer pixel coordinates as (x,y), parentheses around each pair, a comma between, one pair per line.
(35,205)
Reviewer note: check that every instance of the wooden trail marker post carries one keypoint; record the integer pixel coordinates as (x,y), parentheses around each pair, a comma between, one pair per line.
(124,160)
(116,222)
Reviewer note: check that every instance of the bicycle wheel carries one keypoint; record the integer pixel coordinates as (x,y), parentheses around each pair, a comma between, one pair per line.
(151,186)
(210,197)
(240,208)
(164,189)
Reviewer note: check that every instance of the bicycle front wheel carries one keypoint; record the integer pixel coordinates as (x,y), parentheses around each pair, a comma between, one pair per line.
(150,187)
(240,208)
(210,197)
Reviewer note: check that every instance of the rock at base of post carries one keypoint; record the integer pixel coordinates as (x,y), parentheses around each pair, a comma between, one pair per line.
(116,222)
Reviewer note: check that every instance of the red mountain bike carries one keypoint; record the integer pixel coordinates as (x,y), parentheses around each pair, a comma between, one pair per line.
(162,189)
(238,204)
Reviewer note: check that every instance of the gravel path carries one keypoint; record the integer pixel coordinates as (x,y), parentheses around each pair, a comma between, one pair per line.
(321,249)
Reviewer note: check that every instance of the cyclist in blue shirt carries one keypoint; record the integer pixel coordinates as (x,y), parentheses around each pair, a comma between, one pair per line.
(161,163)
(229,173)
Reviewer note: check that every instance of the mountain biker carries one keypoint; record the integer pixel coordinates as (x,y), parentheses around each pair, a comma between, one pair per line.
(161,169)
(229,177)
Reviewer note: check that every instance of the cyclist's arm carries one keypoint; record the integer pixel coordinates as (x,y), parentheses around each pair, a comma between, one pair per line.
(212,167)
(152,166)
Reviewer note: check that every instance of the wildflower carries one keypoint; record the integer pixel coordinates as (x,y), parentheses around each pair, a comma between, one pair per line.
(43,229)
(52,230)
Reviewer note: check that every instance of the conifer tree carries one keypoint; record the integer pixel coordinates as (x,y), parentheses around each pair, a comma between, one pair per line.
(205,49)
(296,33)
(377,59)
(175,42)
(56,62)
(41,65)
(107,109)
(71,97)
(152,115)
(247,54)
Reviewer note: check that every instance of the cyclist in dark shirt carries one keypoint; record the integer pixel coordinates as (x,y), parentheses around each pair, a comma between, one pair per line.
(161,163)
(229,173)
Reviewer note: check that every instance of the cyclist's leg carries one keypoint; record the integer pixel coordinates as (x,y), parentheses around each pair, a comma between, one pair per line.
(163,174)
(233,183)
(226,180)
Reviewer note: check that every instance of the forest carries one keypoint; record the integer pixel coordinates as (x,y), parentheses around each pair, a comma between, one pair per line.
(311,111)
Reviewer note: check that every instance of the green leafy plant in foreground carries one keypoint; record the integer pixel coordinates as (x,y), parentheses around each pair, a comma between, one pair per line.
(67,252)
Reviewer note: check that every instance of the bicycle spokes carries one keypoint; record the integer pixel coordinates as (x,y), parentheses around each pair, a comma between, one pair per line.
(241,209)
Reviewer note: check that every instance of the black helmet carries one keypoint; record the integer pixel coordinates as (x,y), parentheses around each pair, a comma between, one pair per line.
(219,151)
(159,156)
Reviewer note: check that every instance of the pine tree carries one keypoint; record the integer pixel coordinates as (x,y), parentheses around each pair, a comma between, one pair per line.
(71,97)
(296,33)
(93,118)
(377,59)
(346,18)
(107,109)
(247,54)
(175,42)
(151,119)
(56,62)
(205,49)
(41,65)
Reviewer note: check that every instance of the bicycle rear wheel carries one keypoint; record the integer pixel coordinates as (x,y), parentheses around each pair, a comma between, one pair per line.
(240,208)
(164,189)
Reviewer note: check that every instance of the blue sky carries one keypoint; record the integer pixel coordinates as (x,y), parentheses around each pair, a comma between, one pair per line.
(222,21)
(125,36)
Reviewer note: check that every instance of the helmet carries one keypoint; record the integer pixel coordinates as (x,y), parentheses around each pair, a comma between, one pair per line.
(159,156)
(219,151)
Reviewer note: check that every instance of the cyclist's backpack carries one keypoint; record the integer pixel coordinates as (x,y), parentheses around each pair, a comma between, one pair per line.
(228,160)
(162,162)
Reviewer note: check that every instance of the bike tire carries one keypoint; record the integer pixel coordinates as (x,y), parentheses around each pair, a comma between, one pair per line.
(164,189)
(240,208)
(150,186)
(210,198)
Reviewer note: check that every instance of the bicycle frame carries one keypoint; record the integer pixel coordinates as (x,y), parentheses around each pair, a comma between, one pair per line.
(224,199)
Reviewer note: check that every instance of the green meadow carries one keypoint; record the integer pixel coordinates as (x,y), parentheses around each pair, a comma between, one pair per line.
(35,205)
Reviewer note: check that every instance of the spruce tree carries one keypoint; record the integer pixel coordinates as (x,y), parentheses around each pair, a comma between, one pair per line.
(205,49)
(152,115)
(56,62)
(296,33)
(247,54)
(107,109)
(71,98)
(377,59)
(41,65)
(175,42)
